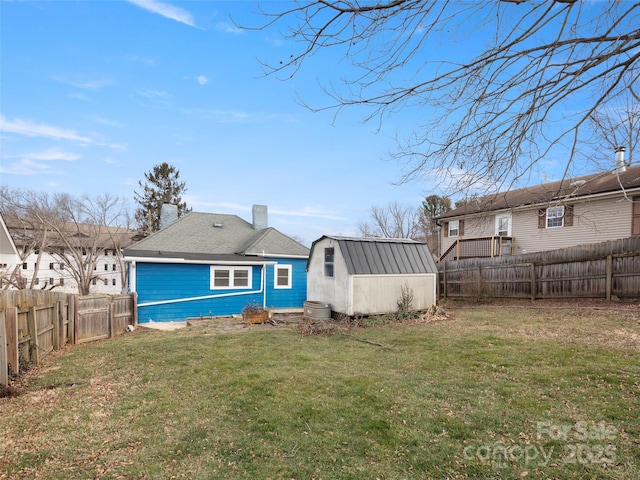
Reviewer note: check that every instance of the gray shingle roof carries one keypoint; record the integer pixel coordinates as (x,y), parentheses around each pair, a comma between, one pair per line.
(568,189)
(380,256)
(215,236)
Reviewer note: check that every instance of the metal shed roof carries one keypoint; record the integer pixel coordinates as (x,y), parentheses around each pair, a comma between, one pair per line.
(384,256)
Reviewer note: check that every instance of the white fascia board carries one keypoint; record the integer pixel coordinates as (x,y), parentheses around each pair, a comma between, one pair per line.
(195,262)
(275,255)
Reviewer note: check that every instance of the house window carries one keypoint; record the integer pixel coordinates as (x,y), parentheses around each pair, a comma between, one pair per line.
(114,282)
(62,266)
(36,281)
(114,267)
(106,282)
(503,225)
(106,267)
(51,266)
(282,276)
(51,281)
(454,228)
(24,266)
(554,216)
(61,281)
(328,262)
(231,277)
(94,281)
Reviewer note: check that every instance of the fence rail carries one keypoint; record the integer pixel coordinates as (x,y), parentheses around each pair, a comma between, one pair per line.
(33,323)
(603,270)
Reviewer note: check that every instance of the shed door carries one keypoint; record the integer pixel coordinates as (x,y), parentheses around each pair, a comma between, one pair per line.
(635,221)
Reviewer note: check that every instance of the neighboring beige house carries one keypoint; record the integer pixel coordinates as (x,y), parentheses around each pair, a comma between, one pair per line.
(576,211)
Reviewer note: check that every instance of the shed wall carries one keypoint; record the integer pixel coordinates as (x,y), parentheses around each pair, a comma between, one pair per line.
(334,290)
(380,293)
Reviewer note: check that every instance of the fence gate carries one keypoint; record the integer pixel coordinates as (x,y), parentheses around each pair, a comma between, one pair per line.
(91,313)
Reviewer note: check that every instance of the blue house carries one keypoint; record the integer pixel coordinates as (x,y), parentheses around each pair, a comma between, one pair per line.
(209,264)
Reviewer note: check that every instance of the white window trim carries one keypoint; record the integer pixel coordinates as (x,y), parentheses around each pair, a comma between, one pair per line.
(231,271)
(456,229)
(561,207)
(289,269)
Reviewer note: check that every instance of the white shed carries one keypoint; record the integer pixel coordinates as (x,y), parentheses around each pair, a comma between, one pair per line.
(364,276)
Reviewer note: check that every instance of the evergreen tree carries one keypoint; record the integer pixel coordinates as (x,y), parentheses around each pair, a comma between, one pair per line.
(161,186)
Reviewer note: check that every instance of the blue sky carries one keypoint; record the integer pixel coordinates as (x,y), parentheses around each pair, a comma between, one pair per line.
(95,93)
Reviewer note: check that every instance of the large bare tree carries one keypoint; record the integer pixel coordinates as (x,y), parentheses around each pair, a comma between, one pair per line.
(393,221)
(523,80)
(74,231)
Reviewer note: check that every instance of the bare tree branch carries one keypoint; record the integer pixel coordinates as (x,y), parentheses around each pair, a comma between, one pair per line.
(529,76)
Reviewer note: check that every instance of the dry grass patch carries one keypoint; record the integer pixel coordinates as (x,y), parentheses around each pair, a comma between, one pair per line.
(462,398)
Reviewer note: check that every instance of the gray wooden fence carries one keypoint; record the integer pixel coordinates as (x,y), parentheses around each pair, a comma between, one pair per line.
(603,270)
(33,323)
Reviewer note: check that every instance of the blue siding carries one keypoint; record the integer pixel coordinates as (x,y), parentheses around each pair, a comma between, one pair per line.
(293,297)
(158,282)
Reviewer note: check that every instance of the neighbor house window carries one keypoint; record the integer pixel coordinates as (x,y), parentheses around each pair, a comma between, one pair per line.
(554,216)
(503,225)
(282,276)
(557,216)
(230,277)
(454,228)
(328,262)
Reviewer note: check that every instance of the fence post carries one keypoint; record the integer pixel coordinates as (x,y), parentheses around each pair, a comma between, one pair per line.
(608,281)
(532,275)
(479,286)
(34,351)
(134,308)
(4,368)
(56,326)
(444,280)
(62,337)
(11,328)
(111,315)
(73,312)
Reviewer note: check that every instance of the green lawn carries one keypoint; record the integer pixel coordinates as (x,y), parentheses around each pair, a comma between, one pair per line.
(493,392)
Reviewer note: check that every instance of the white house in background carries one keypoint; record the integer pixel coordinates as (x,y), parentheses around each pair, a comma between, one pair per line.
(576,211)
(364,276)
(8,251)
(44,268)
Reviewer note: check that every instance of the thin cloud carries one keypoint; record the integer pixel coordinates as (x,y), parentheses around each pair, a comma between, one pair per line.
(228,28)
(152,93)
(202,80)
(166,10)
(86,84)
(50,154)
(30,129)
